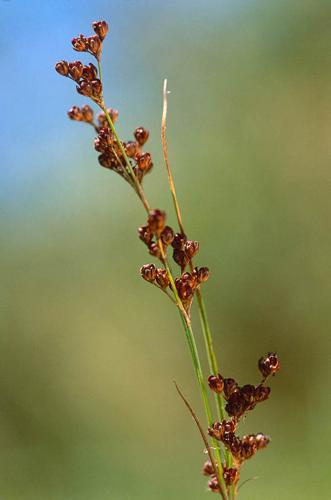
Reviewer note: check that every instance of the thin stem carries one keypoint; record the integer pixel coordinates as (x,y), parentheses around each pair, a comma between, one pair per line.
(204,438)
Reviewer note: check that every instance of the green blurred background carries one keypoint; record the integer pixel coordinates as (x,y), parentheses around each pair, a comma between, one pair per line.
(89,352)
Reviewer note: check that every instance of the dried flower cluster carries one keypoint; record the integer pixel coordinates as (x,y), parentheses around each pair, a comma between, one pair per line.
(239,401)
(158,237)
(132,163)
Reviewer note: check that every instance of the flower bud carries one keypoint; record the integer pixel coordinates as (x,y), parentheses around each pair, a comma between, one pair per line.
(62,67)
(141,135)
(216,383)
(269,365)
(148,272)
(100,28)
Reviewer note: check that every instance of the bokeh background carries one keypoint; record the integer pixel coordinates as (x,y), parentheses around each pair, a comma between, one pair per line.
(89,352)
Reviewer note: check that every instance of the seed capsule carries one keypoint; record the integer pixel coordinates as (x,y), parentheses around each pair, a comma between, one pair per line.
(156,221)
(230,386)
(180,257)
(79,43)
(148,272)
(269,365)
(201,273)
(213,485)
(191,248)
(262,393)
(131,148)
(154,250)
(230,475)
(62,67)
(76,70)
(167,235)
(75,113)
(100,28)
(141,135)
(162,278)
(208,469)
(216,383)
(144,161)
(94,45)
(90,72)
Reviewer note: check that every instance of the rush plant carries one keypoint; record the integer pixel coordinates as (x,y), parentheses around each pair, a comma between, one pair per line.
(174,273)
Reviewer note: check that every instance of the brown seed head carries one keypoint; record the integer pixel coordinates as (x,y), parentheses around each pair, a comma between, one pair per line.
(216,383)
(162,278)
(236,405)
(144,161)
(76,70)
(94,45)
(208,469)
(167,235)
(262,393)
(75,113)
(261,441)
(247,393)
(180,257)
(141,135)
(269,364)
(145,234)
(154,250)
(131,148)
(100,28)
(87,113)
(191,248)
(230,386)
(230,475)
(201,273)
(62,67)
(213,485)
(106,160)
(148,272)
(156,221)
(216,430)
(90,72)
(79,43)
(85,88)
(96,87)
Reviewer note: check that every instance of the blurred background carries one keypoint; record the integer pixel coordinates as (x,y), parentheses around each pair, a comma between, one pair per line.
(89,351)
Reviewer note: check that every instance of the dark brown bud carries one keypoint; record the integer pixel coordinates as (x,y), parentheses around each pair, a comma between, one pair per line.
(148,272)
(191,248)
(269,365)
(75,113)
(201,274)
(262,393)
(100,28)
(141,135)
(162,278)
(90,72)
(96,87)
(156,221)
(180,257)
(79,43)
(144,161)
(208,469)
(184,290)
(145,234)
(154,250)
(84,88)
(131,148)
(62,67)
(76,70)
(94,45)
(230,386)
(167,235)
(232,442)
(230,475)
(87,113)
(179,241)
(213,485)
(216,383)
